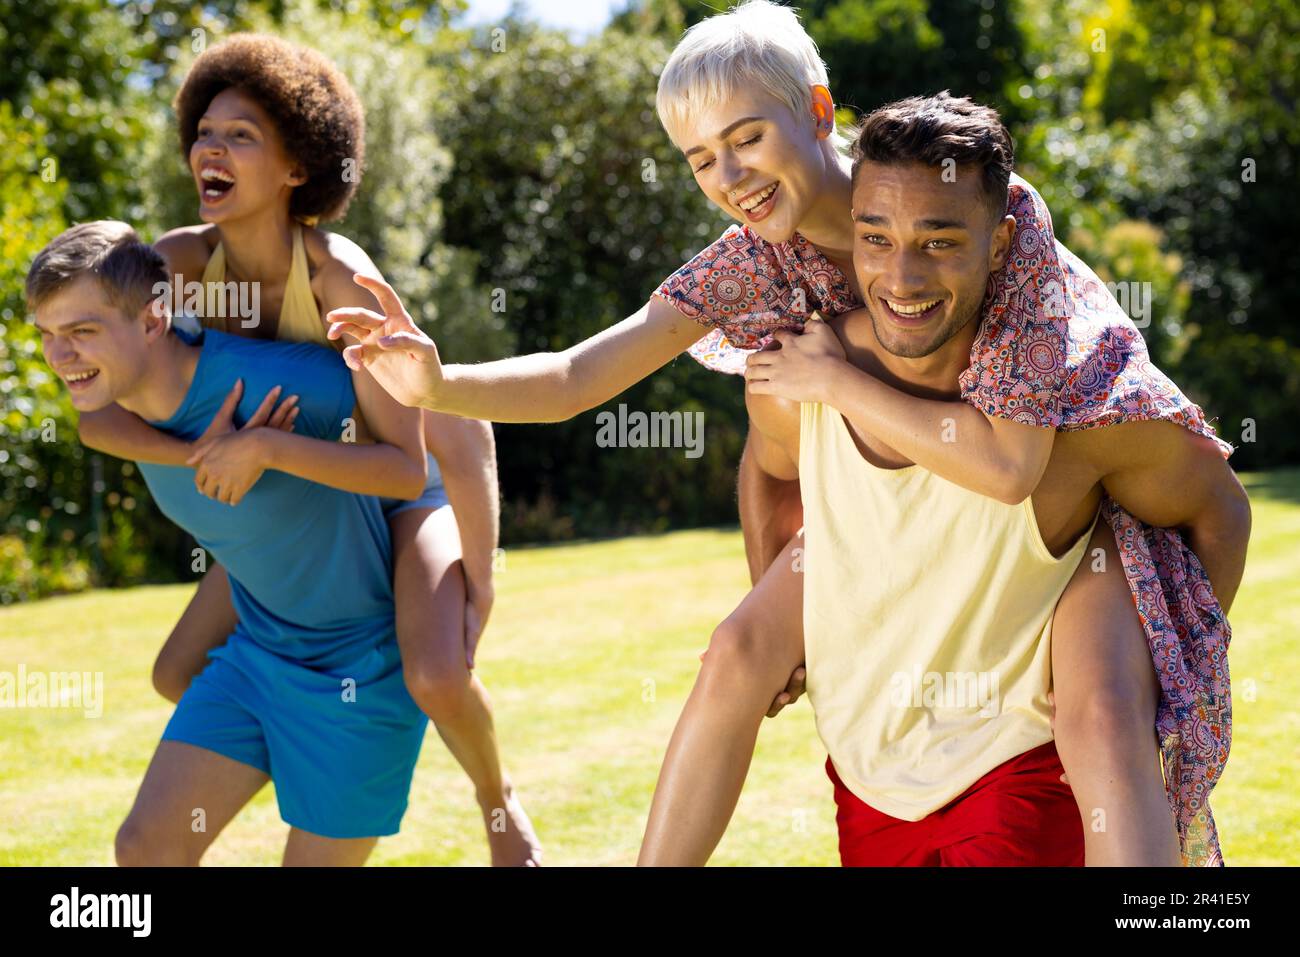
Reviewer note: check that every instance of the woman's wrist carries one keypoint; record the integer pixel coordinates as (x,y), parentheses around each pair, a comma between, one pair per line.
(436,389)
(839,376)
(268,445)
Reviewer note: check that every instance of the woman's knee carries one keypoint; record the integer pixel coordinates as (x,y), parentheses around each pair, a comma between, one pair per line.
(738,657)
(129,845)
(433,653)
(443,692)
(1116,718)
(169,679)
(136,846)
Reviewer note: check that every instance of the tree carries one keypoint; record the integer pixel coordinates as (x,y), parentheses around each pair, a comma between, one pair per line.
(577,206)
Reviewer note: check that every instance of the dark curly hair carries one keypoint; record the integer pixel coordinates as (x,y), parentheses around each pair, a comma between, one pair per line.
(931,129)
(314,108)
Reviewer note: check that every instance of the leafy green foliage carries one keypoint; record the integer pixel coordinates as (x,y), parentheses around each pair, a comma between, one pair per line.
(576,220)
(55,520)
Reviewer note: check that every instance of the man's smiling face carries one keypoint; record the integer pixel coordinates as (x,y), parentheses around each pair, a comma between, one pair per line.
(923,250)
(98,353)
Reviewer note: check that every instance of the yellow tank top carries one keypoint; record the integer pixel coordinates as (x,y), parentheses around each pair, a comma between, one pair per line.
(299,316)
(927,623)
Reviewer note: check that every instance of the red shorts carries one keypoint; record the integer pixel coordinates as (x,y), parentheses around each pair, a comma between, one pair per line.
(1020,814)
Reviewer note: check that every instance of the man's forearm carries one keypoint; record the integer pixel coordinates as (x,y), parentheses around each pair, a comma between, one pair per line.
(466,453)
(770,512)
(1219,536)
(1171,477)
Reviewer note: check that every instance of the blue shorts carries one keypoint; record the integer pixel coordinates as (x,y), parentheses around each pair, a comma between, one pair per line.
(341,754)
(433,496)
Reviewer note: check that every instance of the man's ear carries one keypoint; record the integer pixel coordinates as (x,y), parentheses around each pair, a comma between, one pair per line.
(823,111)
(1003,233)
(157,318)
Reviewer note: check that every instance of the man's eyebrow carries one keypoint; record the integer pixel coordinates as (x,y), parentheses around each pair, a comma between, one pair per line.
(923,225)
(78,321)
(725,133)
(933,224)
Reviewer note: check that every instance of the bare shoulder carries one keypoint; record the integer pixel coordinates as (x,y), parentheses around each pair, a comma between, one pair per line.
(334,260)
(334,251)
(187,249)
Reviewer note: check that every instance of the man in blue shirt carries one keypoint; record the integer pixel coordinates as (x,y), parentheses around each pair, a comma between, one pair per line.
(308,689)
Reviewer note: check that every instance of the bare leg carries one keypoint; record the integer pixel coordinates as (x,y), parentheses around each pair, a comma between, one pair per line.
(1106,693)
(188,795)
(430,594)
(751,656)
(771,511)
(206,623)
(304,849)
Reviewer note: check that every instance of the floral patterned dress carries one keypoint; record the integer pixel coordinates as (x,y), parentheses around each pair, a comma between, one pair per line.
(1055,349)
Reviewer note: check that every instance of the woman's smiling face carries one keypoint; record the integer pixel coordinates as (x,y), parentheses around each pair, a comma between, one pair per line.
(756,161)
(238,159)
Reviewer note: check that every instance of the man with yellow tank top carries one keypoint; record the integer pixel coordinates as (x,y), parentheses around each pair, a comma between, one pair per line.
(928,608)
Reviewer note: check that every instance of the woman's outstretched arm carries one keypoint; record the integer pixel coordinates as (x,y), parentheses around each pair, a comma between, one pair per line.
(541,387)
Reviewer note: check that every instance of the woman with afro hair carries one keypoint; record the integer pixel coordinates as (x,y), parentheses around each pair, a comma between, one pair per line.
(274,136)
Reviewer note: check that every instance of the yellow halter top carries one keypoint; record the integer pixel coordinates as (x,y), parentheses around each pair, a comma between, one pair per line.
(299,316)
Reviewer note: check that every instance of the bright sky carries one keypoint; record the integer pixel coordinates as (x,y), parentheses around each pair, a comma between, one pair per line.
(578,17)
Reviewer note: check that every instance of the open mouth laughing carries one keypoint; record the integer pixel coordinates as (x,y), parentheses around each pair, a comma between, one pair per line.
(217,183)
(80,381)
(760,203)
(914,313)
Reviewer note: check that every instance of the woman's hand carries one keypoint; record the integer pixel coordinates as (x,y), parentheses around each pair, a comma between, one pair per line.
(227,467)
(391,347)
(229,461)
(798,368)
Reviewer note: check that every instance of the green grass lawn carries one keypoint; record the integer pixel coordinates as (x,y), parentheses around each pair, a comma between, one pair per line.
(590,656)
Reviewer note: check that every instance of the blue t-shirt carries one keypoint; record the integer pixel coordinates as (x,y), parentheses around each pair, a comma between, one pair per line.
(310,566)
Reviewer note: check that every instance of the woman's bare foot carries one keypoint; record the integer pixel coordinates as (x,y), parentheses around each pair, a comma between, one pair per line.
(511,838)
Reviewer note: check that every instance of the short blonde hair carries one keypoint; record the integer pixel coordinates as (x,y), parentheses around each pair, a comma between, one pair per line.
(129,271)
(757,43)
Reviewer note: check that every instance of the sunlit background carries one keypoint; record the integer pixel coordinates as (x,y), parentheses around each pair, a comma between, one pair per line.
(506,151)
